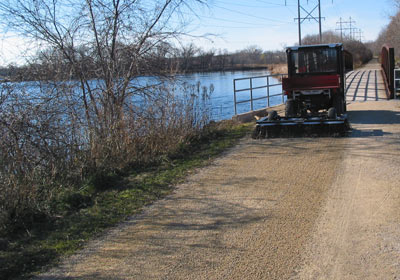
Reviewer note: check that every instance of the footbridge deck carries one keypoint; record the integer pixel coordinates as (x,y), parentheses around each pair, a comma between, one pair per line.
(366,83)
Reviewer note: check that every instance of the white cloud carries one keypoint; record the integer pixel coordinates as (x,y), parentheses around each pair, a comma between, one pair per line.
(14,49)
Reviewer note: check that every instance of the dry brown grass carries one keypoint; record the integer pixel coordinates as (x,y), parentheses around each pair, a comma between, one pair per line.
(278,68)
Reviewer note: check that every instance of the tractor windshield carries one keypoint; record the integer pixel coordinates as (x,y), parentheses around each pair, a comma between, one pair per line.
(314,60)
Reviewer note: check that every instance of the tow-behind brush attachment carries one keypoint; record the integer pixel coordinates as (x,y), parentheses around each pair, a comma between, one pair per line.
(301,127)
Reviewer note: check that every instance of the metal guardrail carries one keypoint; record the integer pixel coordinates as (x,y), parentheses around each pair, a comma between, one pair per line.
(388,63)
(396,83)
(251,89)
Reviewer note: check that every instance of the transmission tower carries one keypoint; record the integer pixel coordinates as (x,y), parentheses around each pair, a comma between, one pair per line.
(340,22)
(350,25)
(358,34)
(310,15)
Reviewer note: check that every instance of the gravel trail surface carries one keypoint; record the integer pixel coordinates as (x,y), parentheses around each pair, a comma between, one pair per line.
(300,208)
(358,233)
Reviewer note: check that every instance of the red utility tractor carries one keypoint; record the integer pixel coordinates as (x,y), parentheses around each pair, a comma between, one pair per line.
(315,89)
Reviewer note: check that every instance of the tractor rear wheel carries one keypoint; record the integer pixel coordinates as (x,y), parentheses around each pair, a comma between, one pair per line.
(338,103)
(290,109)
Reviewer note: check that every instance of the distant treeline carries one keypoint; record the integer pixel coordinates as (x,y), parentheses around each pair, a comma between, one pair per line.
(193,59)
(362,53)
(390,34)
(163,60)
(167,60)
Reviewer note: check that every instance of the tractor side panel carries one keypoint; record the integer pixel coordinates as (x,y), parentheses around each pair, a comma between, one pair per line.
(311,82)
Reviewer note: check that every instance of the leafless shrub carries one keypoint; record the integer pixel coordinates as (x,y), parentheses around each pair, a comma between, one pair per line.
(88,110)
(40,147)
(390,33)
(155,124)
(46,144)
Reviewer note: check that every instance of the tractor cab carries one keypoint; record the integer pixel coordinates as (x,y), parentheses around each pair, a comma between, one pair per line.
(315,79)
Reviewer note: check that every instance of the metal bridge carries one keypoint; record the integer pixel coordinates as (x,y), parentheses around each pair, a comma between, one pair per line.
(366,83)
(377,80)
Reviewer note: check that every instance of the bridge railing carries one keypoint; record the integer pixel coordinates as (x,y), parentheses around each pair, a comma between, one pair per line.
(396,83)
(388,64)
(270,81)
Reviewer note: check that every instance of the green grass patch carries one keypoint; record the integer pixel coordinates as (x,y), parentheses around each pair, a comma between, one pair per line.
(85,213)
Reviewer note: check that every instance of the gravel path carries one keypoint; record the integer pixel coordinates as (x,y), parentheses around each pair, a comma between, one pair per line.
(357,235)
(303,208)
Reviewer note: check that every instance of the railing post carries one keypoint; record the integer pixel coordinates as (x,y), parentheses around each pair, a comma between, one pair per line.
(251,93)
(268,105)
(251,88)
(392,65)
(234,95)
(396,81)
(388,64)
(283,95)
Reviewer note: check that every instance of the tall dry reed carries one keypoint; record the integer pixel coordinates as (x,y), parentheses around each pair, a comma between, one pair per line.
(47,144)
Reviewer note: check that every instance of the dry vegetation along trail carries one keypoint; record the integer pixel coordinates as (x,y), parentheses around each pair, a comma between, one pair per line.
(302,208)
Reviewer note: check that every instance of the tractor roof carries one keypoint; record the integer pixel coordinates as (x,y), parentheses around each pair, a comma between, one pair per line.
(295,48)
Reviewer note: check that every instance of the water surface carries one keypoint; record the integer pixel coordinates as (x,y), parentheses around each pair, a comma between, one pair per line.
(222,99)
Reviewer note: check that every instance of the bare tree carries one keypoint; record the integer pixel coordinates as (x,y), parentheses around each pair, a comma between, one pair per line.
(222,58)
(86,109)
(108,41)
(187,54)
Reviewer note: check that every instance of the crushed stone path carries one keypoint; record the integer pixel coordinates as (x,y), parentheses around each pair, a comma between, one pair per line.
(357,235)
(300,208)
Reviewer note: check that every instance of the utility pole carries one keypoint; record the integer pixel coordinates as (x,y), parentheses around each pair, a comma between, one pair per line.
(319,20)
(299,15)
(310,16)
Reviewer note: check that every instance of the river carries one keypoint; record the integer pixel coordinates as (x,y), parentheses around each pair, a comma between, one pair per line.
(222,98)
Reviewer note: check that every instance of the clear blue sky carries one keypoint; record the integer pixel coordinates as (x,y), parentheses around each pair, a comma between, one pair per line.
(270,24)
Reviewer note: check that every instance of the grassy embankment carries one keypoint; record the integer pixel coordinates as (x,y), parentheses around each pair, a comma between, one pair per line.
(92,209)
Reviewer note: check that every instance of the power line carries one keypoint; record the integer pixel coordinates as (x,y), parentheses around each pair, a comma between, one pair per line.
(233,21)
(234,27)
(249,15)
(271,3)
(273,6)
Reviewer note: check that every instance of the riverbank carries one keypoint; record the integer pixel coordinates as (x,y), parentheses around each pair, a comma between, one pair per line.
(238,67)
(278,68)
(90,212)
